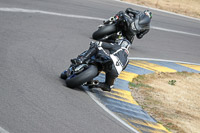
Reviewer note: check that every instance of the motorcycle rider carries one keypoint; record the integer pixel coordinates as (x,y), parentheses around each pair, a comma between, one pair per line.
(134,23)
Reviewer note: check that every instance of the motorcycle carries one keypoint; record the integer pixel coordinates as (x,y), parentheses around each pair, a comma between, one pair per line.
(83,74)
(112,27)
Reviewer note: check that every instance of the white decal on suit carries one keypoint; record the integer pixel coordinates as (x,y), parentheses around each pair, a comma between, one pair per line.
(117,63)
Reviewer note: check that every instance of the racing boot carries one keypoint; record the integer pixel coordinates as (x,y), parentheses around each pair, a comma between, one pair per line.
(108,85)
(104,86)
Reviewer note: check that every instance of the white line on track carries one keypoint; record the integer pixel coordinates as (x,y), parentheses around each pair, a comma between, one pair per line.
(83,17)
(48,13)
(108,111)
(3,130)
(175,31)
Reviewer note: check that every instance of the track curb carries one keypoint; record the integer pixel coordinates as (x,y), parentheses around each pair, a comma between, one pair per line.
(120,104)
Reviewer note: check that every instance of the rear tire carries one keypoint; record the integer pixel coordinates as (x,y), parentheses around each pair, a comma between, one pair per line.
(83,77)
(104,31)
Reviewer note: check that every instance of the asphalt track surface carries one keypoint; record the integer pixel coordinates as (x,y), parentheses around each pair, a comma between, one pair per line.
(36,48)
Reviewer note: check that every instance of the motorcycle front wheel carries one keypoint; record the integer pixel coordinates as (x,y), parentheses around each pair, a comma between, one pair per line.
(85,76)
(104,31)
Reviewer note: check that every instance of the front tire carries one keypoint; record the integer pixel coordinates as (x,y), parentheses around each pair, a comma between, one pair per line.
(83,77)
(104,31)
(63,75)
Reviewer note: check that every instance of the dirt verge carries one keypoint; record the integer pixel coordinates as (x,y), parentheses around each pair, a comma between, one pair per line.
(185,7)
(171,98)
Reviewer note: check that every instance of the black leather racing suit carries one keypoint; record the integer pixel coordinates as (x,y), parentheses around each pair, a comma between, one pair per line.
(118,52)
(133,23)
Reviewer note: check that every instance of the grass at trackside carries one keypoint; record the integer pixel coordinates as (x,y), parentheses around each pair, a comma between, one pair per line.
(171,98)
(185,7)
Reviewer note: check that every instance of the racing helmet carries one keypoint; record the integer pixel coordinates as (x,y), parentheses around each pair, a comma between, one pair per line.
(139,23)
(142,21)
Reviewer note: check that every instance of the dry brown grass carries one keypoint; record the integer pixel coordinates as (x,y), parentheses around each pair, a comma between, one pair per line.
(185,7)
(177,106)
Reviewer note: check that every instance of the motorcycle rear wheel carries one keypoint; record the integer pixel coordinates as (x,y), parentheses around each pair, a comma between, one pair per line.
(104,31)
(83,77)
